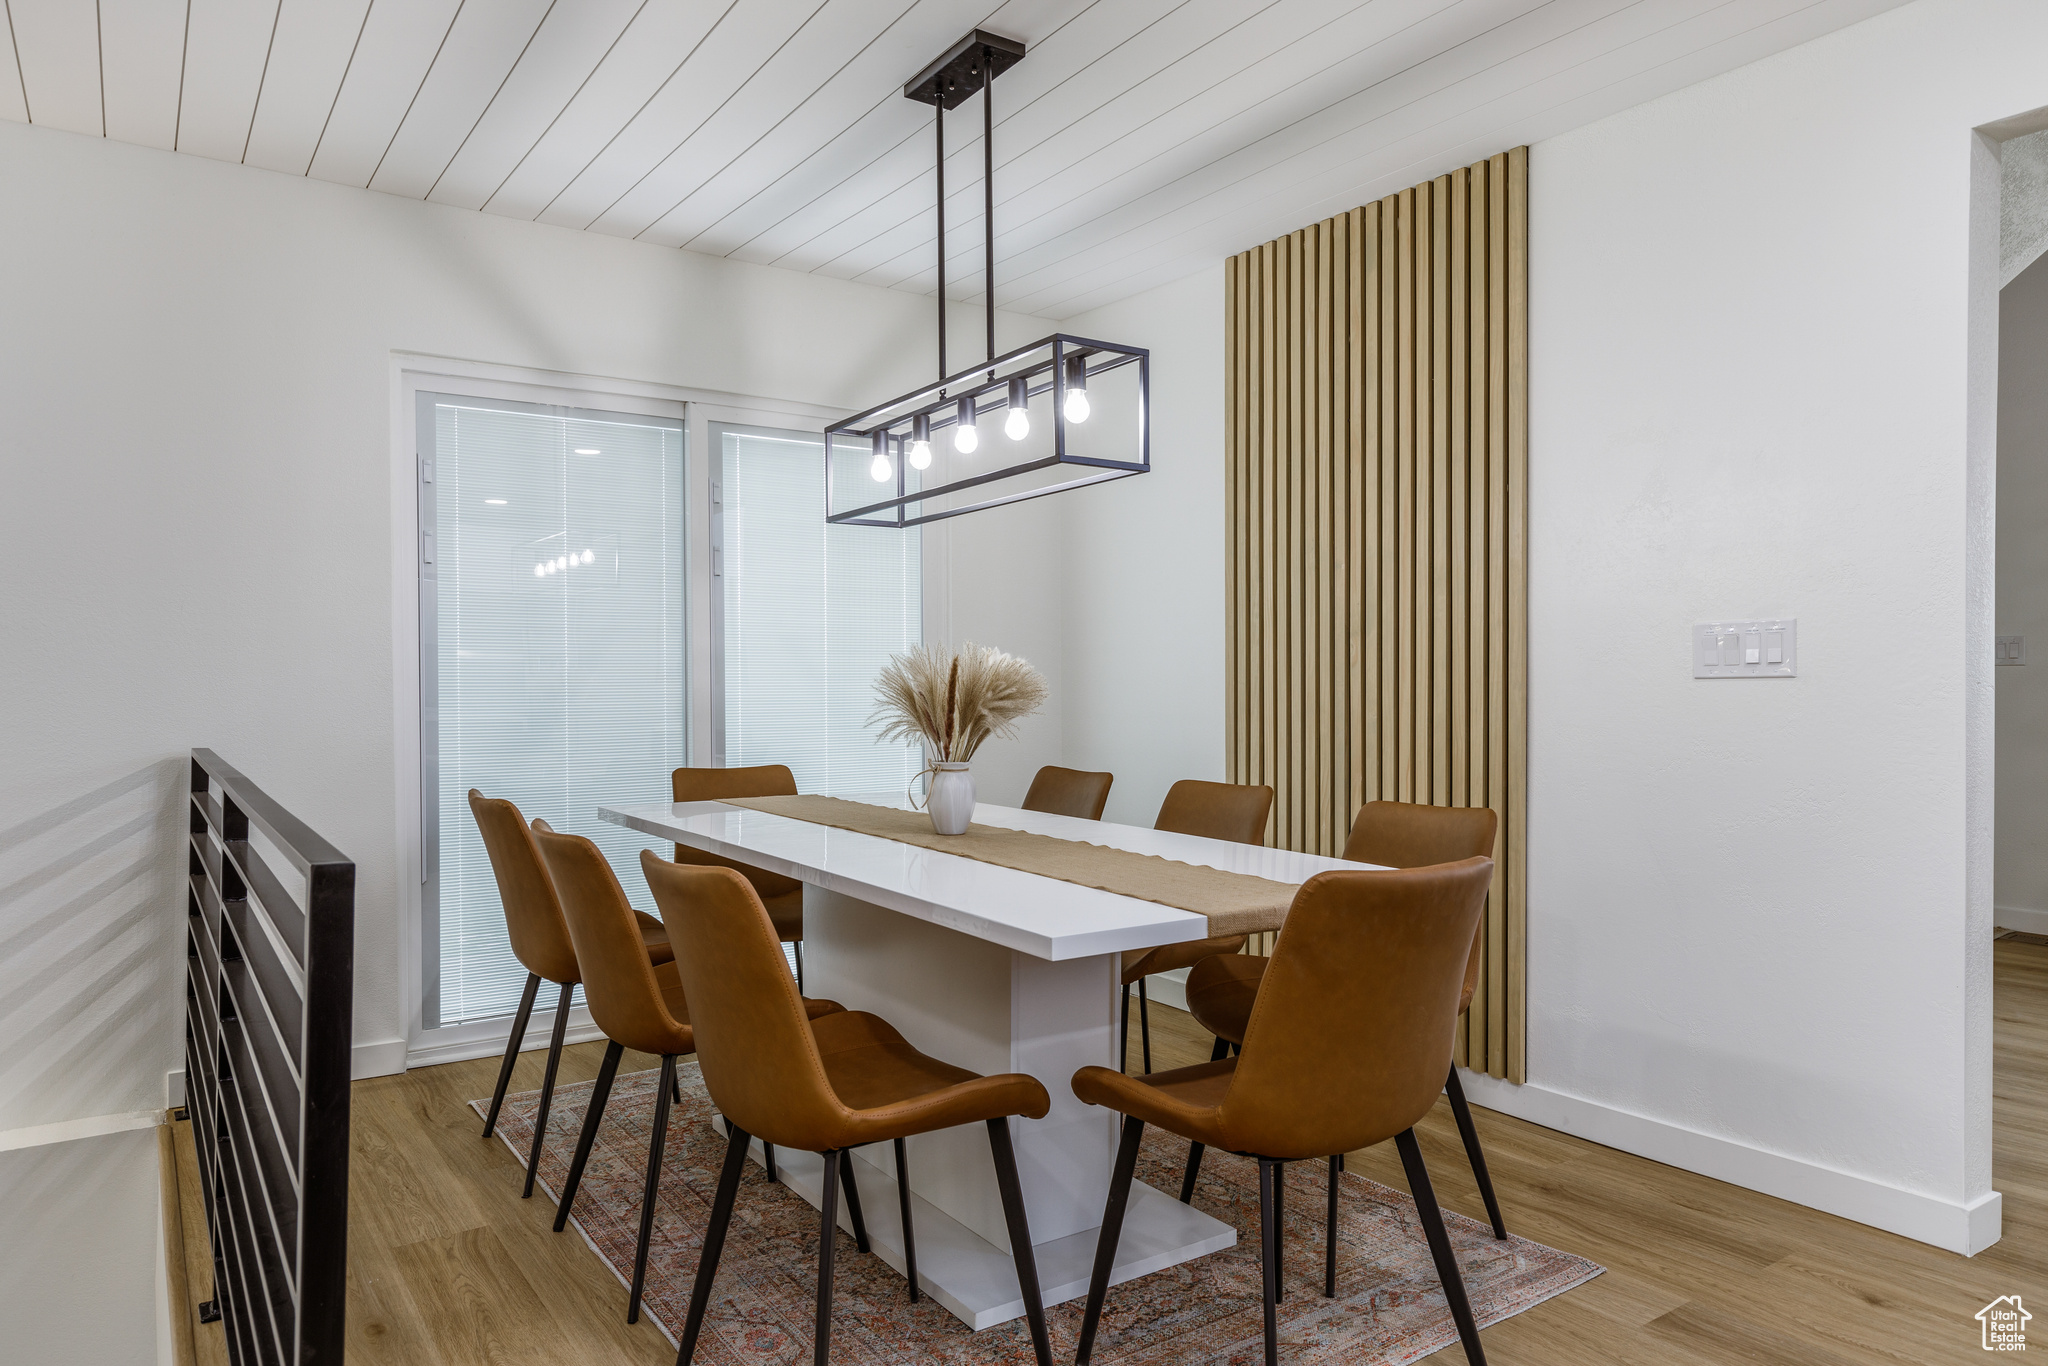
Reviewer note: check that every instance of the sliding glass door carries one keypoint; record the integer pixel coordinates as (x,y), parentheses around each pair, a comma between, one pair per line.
(805,616)
(552,614)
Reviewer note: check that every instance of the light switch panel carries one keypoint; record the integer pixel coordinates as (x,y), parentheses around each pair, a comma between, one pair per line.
(1765,647)
(2012,650)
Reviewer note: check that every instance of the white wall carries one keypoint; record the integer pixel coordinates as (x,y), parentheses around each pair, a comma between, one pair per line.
(2022,868)
(78,1255)
(1758,911)
(1143,566)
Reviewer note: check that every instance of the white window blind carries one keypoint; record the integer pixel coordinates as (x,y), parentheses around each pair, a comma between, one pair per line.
(811,613)
(557,609)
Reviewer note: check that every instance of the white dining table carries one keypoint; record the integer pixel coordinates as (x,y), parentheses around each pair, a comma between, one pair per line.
(996,970)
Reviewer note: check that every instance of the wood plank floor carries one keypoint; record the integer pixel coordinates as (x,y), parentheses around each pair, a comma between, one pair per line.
(448,1265)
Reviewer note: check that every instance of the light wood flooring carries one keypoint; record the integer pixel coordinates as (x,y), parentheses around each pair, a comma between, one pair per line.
(449,1266)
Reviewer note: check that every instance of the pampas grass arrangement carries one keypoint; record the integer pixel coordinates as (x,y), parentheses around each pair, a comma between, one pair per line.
(952,700)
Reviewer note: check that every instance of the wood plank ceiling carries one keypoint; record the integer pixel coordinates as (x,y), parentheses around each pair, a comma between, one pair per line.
(1140,140)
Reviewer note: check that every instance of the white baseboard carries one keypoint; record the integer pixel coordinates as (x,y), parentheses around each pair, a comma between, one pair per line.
(1168,988)
(63,1131)
(174,1089)
(464,1042)
(1967,1228)
(2021,919)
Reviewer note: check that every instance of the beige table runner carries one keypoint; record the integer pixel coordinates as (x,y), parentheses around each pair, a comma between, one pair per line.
(1236,903)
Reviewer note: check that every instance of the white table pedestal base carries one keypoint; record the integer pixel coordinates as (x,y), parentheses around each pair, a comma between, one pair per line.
(975,1280)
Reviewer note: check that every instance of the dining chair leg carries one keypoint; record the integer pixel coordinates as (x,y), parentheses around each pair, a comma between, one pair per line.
(1470,1134)
(1269,1253)
(1221,1050)
(675,1090)
(547,1089)
(519,1020)
(768,1161)
(860,1227)
(1187,1182)
(798,946)
(592,1114)
(1440,1245)
(1279,1228)
(736,1141)
(1019,1226)
(1330,1232)
(1145,1025)
(1112,1229)
(903,1210)
(652,1192)
(1123,1055)
(828,1232)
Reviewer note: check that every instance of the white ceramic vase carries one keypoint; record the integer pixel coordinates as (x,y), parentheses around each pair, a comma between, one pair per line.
(951,801)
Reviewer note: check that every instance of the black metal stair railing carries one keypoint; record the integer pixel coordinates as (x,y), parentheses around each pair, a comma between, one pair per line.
(269,996)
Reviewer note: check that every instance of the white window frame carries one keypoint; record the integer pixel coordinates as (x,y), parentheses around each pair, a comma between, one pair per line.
(413,374)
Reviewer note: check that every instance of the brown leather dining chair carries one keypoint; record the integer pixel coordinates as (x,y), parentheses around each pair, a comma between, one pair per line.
(846,1080)
(1069,792)
(1375,957)
(1217,811)
(783,896)
(635,1003)
(1221,991)
(541,943)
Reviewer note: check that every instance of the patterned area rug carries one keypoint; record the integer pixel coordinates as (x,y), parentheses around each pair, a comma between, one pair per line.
(1389,1306)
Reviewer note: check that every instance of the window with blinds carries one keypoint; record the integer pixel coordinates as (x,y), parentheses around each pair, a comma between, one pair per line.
(809,614)
(552,606)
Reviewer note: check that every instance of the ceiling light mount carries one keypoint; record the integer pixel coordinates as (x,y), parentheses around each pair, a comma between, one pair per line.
(948,81)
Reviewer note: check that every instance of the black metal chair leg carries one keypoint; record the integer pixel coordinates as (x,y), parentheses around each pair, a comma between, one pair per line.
(1145,1025)
(1221,1050)
(1112,1229)
(519,1020)
(860,1227)
(768,1160)
(1187,1182)
(675,1090)
(1123,1054)
(1470,1134)
(592,1114)
(1279,1229)
(1440,1245)
(828,1230)
(1019,1225)
(736,1142)
(903,1210)
(1269,1253)
(547,1089)
(652,1192)
(1330,1231)
(798,945)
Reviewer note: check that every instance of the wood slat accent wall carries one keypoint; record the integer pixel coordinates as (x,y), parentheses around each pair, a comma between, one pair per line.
(1376,419)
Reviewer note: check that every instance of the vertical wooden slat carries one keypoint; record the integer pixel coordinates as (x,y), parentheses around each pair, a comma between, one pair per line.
(1516,1061)
(1439,664)
(1458,717)
(1233,616)
(1357,619)
(1496,607)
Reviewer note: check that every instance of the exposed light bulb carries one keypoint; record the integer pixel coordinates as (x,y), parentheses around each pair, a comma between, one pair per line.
(540,571)
(965,437)
(561,561)
(589,556)
(880,467)
(919,451)
(1076,406)
(1017,425)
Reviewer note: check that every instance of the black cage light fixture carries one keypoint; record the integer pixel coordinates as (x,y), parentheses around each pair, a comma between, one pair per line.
(1061,413)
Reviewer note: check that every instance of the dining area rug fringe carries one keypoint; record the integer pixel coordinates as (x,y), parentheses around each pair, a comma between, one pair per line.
(1389,1307)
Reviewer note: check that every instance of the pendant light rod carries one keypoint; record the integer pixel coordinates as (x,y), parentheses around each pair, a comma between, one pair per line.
(988,193)
(939,122)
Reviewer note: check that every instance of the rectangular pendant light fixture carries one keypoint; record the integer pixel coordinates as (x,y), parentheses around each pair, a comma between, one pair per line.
(1059,414)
